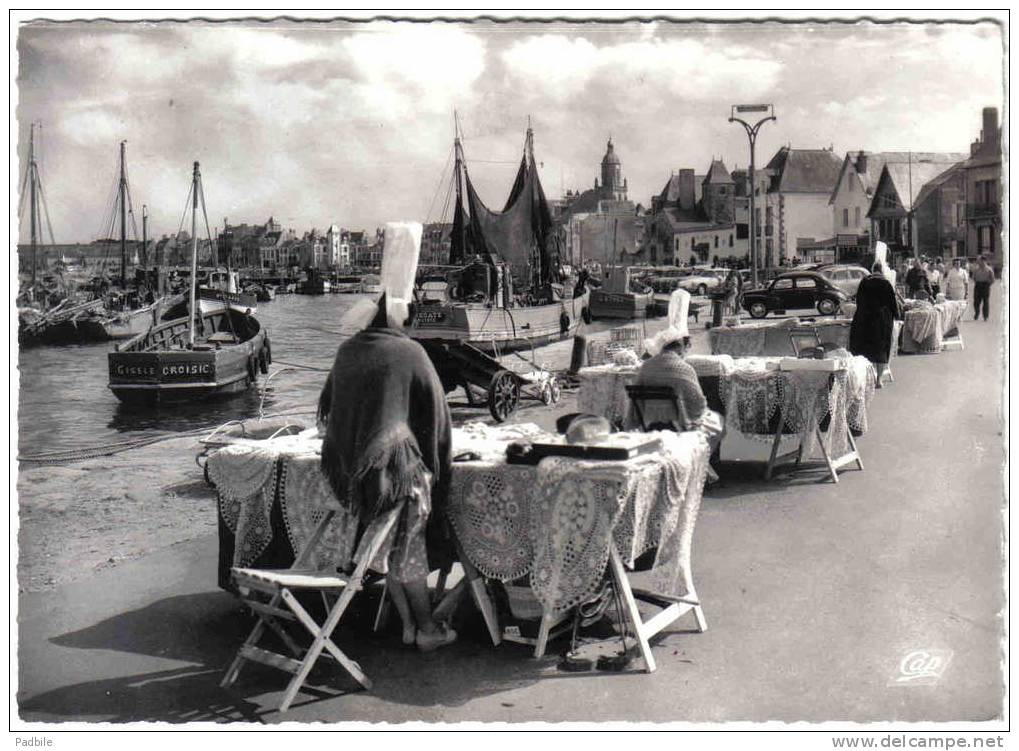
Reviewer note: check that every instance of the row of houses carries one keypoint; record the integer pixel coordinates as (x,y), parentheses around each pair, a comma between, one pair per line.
(269,247)
(809,205)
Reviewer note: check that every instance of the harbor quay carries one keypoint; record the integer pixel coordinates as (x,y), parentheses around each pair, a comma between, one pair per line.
(804,583)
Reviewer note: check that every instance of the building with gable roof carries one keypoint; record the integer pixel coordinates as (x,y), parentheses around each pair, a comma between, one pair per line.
(940,214)
(894,202)
(693,218)
(796,207)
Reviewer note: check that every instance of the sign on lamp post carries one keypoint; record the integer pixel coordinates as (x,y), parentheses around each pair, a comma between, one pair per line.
(768,110)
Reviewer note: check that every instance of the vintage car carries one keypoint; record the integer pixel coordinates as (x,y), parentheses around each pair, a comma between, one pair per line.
(702,281)
(846,277)
(795,290)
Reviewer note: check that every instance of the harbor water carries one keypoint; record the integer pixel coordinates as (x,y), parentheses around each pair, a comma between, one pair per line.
(64,402)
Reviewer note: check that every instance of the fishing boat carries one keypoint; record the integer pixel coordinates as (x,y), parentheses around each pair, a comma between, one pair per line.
(621,295)
(219,290)
(262,292)
(314,284)
(212,353)
(371,284)
(347,284)
(126,307)
(508,292)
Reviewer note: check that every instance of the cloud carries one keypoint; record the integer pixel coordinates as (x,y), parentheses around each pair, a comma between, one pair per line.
(692,68)
(351,123)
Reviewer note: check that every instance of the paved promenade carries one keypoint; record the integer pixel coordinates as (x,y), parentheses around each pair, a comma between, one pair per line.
(814,595)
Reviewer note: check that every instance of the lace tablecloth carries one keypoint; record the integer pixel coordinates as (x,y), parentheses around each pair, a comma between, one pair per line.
(557,520)
(750,392)
(926,325)
(256,480)
(554,521)
(771,339)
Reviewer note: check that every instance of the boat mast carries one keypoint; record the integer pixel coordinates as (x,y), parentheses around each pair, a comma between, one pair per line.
(145,235)
(123,220)
(194,254)
(34,215)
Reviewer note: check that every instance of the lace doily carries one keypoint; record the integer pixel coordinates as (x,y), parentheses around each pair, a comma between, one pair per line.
(772,338)
(556,521)
(240,471)
(304,494)
(576,512)
(249,518)
(489,508)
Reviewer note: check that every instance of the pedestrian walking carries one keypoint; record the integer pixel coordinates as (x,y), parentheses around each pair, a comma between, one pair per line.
(983,278)
(957,282)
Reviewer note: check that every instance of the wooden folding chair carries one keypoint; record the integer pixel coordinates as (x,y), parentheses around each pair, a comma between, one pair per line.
(281,584)
(641,396)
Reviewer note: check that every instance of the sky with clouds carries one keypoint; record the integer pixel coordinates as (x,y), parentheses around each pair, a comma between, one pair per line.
(352,123)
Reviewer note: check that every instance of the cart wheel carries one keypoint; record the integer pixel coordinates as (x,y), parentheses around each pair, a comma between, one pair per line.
(503,395)
(545,394)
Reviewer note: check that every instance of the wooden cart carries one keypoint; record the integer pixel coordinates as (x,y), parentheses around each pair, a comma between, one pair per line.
(462,365)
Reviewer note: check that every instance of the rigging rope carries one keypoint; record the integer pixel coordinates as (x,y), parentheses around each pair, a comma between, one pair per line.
(45,208)
(442,178)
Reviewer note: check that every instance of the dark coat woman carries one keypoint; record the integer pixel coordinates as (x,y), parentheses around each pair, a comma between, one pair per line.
(388,441)
(876,310)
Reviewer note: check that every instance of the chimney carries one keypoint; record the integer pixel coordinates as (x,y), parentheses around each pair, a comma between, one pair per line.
(861,163)
(687,194)
(989,134)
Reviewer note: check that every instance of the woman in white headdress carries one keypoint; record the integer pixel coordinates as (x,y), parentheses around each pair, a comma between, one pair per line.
(387,440)
(668,367)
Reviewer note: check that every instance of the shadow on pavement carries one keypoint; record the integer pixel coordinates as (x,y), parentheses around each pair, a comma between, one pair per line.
(206,629)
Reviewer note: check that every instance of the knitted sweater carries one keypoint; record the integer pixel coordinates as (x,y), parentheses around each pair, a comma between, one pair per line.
(669,369)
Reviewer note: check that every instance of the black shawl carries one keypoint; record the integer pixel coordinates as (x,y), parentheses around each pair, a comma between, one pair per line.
(387,422)
(877,308)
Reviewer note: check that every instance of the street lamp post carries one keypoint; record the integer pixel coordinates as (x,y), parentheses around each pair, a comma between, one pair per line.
(752,130)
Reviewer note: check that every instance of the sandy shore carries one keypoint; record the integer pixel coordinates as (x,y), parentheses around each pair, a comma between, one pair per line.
(77,518)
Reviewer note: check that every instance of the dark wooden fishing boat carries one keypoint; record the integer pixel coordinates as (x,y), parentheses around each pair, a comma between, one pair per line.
(508,293)
(229,351)
(211,353)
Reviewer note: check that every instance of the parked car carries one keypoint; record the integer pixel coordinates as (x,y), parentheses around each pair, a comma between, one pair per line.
(700,282)
(795,290)
(846,277)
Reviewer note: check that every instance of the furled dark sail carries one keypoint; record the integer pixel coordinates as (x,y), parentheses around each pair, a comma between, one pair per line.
(458,253)
(522,234)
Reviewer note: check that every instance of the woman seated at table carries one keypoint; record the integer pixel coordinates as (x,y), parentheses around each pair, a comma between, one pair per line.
(388,443)
(877,307)
(667,367)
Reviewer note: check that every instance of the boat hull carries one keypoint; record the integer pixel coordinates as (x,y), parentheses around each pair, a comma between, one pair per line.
(153,369)
(212,301)
(620,305)
(129,325)
(493,329)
